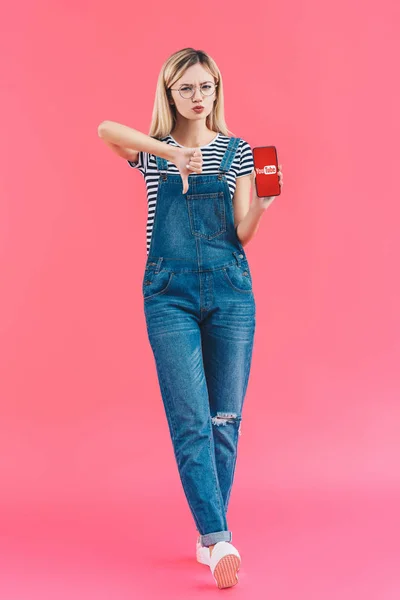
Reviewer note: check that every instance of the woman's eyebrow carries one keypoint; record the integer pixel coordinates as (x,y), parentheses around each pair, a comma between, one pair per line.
(185,83)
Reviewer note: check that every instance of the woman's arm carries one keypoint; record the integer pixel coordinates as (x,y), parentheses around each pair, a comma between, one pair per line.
(127,142)
(126,153)
(250,223)
(247,215)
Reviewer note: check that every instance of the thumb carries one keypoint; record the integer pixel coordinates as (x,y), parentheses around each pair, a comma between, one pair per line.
(185,183)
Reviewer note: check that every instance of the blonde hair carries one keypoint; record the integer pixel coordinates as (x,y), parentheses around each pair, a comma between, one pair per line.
(164,114)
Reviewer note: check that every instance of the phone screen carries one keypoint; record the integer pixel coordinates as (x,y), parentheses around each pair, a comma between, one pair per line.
(266,169)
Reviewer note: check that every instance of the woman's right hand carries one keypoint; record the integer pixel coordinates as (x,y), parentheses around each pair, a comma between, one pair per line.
(188,160)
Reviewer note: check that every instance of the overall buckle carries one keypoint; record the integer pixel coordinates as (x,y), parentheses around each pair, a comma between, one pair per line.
(239,256)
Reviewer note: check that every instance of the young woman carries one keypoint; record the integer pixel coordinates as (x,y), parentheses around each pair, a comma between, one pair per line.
(197,286)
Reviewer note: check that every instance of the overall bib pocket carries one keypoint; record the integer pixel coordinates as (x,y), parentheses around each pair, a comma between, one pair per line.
(155,284)
(207,214)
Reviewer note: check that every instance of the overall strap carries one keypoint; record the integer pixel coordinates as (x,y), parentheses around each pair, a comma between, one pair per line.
(162,165)
(228,157)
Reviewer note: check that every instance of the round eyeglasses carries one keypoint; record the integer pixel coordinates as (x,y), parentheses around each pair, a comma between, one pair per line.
(187,91)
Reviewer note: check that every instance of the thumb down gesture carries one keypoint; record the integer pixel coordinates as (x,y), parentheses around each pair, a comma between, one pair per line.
(188,160)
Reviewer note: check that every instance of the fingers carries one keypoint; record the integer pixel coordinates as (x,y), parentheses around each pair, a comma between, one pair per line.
(195,163)
(280,175)
(196,168)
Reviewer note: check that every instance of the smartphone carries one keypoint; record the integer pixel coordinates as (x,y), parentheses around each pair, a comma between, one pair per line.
(266,168)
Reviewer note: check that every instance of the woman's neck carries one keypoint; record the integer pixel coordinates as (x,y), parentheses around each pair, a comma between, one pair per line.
(193,137)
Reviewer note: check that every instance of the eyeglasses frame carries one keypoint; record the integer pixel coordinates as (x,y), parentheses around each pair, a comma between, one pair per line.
(194,91)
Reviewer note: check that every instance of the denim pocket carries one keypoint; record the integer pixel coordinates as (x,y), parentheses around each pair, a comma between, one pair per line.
(239,278)
(207,214)
(156,283)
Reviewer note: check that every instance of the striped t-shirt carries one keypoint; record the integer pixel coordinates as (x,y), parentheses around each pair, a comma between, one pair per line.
(212,154)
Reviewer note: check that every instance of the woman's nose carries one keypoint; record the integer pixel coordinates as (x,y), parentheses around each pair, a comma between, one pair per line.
(197,94)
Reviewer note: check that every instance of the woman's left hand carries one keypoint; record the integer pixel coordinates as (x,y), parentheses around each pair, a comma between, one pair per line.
(266,201)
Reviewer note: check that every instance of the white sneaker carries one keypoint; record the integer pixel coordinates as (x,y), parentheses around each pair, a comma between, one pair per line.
(224,564)
(202,553)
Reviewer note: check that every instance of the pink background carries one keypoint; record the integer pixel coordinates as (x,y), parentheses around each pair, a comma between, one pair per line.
(91,505)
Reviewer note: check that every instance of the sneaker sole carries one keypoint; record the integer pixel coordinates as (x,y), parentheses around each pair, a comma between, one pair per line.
(225,573)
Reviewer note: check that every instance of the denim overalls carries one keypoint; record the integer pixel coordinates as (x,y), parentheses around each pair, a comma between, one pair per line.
(200,316)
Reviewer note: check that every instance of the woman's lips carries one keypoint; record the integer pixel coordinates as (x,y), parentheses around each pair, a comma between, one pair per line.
(198,108)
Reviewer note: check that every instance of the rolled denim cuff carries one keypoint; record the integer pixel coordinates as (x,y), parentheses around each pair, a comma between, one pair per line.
(218,536)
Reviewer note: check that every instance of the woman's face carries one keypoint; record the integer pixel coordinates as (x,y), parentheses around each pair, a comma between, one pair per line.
(196,75)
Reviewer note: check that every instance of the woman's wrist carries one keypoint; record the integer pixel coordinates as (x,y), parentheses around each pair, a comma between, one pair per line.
(257,205)
(173,152)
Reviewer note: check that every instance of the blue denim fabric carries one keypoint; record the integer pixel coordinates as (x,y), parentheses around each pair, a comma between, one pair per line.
(200,316)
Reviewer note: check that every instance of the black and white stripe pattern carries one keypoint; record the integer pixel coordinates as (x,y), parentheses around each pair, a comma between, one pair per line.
(213,152)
